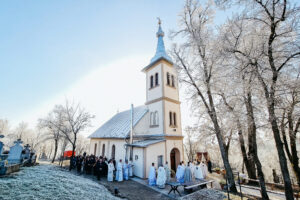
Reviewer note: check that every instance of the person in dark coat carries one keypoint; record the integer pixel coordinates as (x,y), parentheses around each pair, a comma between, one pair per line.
(78,163)
(209,166)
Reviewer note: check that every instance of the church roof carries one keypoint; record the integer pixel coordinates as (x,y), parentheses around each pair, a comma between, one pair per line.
(145,143)
(161,53)
(119,125)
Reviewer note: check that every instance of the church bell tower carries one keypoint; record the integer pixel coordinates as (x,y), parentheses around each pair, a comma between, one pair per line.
(162,96)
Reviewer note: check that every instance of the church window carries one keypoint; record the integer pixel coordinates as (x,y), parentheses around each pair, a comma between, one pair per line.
(113,151)
(103,150)
(155,118)
(95,149)
(170,117)
(151,118)
(151,82)
(156,79)
(174,119)
(168,78)
(173,81)
(160,161)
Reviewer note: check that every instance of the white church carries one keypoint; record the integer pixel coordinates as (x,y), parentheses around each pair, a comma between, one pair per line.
(150,133)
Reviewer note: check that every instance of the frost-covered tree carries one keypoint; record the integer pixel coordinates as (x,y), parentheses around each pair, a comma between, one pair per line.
(197,62)
(266,36)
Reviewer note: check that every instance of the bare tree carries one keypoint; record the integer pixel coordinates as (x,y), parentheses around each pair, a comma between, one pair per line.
(52,124)
(190,145)
(268,39)
(75,120)
(197,62)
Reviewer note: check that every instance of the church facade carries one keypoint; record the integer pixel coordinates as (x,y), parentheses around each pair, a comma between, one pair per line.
(155,127)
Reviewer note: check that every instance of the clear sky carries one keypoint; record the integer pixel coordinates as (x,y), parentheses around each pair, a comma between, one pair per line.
(53,50)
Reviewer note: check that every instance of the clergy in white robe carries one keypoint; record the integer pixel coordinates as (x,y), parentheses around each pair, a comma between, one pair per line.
(187,174)
(192,167)
(152,175)
(198,172)
(161,177)
(125,170)
(180,174)
(110,173)
(168,172)
(204,169)
(130,169)
(119,173)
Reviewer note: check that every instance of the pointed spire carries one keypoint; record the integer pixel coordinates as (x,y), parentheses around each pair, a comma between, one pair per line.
(160,49)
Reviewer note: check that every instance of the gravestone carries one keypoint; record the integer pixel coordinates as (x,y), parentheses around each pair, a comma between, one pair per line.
(1,144)
(15,153)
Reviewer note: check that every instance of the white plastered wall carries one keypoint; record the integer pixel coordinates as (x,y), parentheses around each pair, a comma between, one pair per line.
(152,153)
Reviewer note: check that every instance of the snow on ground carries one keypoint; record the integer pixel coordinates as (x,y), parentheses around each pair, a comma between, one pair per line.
(49,182)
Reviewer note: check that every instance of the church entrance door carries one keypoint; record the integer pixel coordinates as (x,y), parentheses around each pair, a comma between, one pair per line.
(174,158)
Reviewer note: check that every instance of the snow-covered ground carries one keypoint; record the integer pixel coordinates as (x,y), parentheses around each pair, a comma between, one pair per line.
(49,182)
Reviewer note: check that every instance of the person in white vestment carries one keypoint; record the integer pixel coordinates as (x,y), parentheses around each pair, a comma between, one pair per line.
(161,177)
(198,172)
(110,173)
(187,174)
(126,170)
(180,173)
(204,169)
(192,167)
(130,169)
(168,172)
(119,173)
(152,176)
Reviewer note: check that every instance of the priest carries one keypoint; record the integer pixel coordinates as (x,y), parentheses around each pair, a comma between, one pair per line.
(180,173)
(161,177)
(188,173)
(111,168)
(125,170)
(119,173)
(168,172)
(152,176)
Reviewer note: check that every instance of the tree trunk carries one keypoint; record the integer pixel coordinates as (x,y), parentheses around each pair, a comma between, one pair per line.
(72,157)
(55,150)
(282,159)
(253,145)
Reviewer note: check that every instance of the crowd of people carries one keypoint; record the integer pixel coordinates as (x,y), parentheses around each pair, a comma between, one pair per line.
(193,170)
(120,171)
(102,167)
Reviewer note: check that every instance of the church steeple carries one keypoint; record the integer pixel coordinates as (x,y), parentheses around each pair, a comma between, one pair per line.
(160,49)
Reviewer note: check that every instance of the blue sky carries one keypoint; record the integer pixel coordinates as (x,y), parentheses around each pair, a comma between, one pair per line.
(48,46)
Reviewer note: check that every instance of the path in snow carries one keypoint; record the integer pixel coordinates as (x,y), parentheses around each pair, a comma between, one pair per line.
(49,182)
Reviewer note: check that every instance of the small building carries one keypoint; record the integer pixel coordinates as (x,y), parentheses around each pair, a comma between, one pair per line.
(157,132)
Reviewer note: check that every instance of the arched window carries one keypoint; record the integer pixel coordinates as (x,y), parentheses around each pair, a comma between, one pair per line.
(173,81)
(103,150)
(168,78)
(113,151)
(174,119)
(170,118)
(156,79)
(151,118)
(95,148)
(156,118)
(151,82)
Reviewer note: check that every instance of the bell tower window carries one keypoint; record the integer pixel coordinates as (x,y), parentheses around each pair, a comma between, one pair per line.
(168,78)
(173,81)
(156,79)
(151,82)
(170,118)
(174,119)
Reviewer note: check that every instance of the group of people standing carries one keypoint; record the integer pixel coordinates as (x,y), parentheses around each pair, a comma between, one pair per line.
(101,167)
(196,170)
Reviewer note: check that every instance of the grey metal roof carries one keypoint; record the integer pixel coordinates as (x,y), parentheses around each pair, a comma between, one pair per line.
(119,125)
(145,143)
